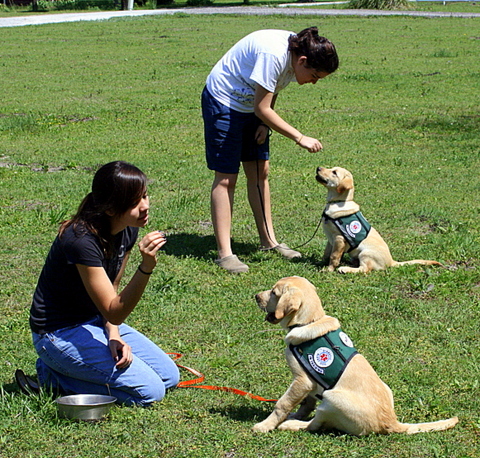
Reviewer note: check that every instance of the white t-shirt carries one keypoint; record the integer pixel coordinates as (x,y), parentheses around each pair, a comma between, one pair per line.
(261,58)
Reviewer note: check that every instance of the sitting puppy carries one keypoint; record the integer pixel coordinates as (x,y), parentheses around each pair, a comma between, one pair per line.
(348,231)
(354,399)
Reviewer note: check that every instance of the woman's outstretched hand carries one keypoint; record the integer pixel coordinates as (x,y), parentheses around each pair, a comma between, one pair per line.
(310,144)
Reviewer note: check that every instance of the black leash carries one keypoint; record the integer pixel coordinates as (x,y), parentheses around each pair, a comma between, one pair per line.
(265,218)
(311,238)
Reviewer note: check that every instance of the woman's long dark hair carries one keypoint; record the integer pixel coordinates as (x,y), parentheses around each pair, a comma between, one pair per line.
(319,51)
(116,187)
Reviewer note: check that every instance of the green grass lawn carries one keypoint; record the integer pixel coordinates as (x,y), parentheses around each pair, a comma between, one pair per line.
(402,114)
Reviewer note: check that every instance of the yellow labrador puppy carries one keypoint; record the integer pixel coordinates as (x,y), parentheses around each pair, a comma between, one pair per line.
(348,231)
(354,398)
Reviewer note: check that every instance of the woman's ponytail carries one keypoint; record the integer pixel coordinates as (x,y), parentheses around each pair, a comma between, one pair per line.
(319,51)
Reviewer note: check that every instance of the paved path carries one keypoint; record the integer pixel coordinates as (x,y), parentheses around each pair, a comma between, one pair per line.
(244,10)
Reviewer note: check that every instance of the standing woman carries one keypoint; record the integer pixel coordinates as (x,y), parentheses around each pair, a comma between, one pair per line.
(77,315)
(238,110)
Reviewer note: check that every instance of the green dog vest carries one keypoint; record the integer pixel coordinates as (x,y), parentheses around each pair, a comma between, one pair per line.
(354,228)
(326,357)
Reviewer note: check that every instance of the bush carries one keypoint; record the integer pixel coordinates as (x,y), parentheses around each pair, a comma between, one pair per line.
(62,5)
(199,3)
(379,4)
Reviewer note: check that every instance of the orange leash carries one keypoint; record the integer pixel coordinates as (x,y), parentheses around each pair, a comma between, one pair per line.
(200,378)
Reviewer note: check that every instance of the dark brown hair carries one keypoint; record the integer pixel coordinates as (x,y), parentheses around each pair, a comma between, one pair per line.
(116,187)
(319,51)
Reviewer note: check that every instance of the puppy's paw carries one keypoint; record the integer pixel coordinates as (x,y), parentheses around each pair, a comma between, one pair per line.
(346,270)
(351,270)
(293,425)
(263,427)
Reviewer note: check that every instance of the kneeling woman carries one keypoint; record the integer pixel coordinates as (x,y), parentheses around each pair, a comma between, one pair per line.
(77,316)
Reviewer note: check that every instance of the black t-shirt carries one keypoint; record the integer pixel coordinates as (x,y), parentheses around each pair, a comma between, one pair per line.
(60,299)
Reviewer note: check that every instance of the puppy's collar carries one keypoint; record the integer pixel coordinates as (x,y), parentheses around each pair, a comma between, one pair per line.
(299,325)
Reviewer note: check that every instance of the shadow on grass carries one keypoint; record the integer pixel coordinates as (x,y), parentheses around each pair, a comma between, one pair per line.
(204,247)
(201,247)
(244,413)
(257,414)
(14,389)
(461,124)
(11,387)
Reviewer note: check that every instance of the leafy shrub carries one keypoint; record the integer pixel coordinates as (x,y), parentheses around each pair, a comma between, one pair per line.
(379,4)
(199,3)
(62,5)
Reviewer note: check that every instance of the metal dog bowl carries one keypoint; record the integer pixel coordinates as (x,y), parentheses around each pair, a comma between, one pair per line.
(89,407)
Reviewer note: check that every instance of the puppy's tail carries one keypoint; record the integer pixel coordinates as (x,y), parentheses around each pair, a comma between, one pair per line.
(423,262)
(441,425)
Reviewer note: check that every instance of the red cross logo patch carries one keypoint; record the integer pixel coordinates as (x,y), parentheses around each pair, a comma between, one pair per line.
(323,357)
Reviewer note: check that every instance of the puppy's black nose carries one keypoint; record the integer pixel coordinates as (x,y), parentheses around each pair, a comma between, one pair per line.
(319,169)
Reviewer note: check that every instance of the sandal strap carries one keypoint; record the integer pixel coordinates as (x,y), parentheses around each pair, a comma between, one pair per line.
(26,384)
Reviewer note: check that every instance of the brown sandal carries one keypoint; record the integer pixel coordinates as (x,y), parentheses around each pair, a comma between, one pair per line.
(283,249)
(25,383)
(232,264)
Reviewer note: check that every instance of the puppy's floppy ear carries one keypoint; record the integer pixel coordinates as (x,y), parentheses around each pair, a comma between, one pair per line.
(345,185)
(289,302)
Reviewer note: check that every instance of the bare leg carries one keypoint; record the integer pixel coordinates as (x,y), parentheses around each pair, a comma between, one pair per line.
(259,198)
(221,201)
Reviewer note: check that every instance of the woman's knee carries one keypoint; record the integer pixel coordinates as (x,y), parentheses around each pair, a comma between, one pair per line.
(149,394)
(226,181)
(173,377)
(257,170)
(153,386)
(154,389)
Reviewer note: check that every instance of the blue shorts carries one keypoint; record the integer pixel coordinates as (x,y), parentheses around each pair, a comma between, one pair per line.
(230,136)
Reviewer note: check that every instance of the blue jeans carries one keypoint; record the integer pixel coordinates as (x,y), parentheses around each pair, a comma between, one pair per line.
(78,360)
